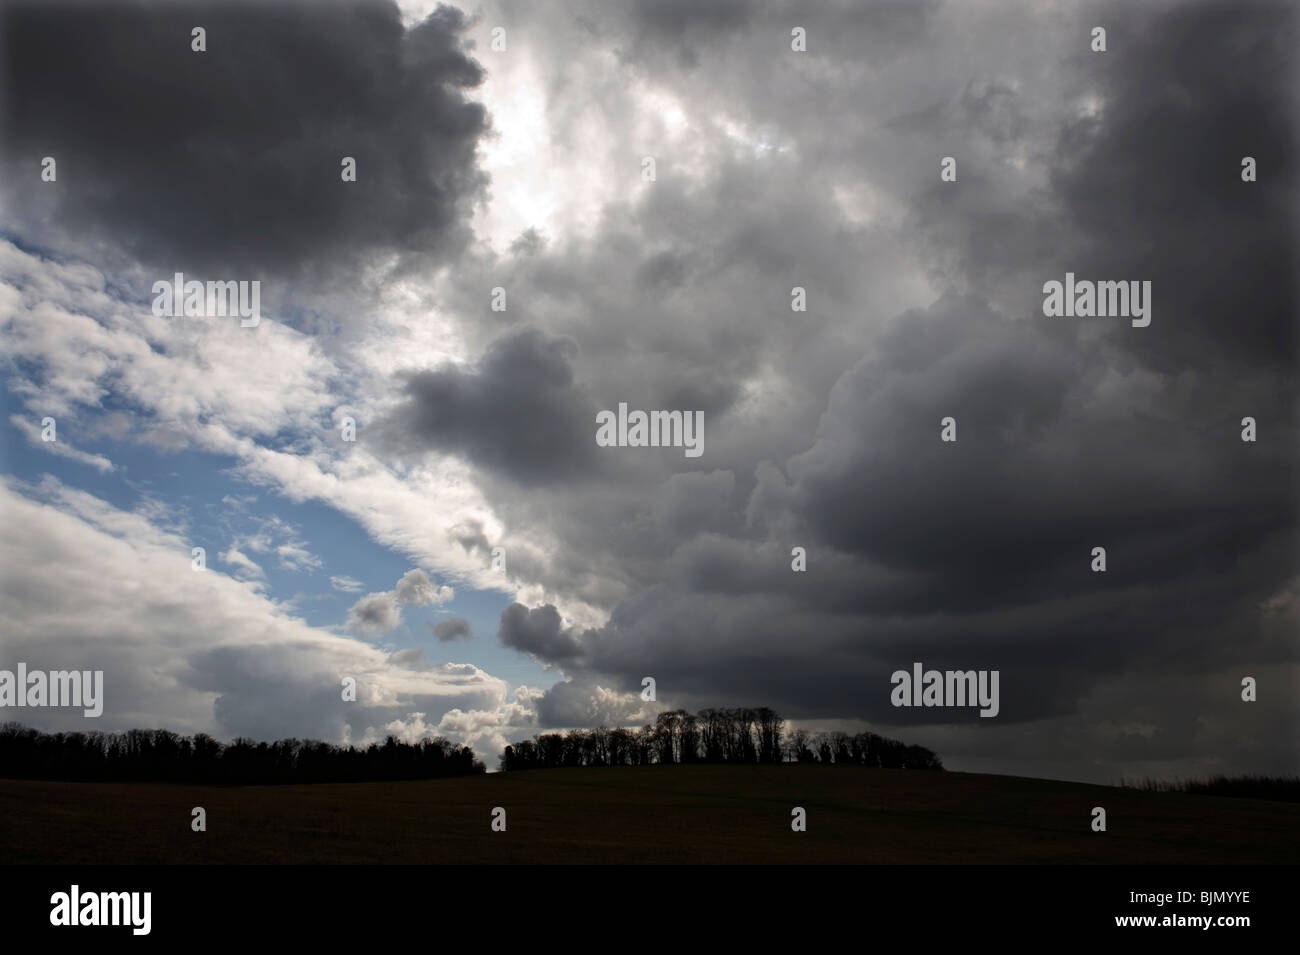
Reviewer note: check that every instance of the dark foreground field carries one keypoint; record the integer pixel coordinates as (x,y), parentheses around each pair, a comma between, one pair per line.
(709,814)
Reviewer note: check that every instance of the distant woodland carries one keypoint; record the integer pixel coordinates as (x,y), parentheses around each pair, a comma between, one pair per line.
(158,755)
(740,735)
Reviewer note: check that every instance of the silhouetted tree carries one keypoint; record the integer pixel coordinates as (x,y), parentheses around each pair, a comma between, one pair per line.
(165,756)
(739,735)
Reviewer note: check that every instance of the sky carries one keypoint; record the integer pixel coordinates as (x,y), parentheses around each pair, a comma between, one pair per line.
(503,268)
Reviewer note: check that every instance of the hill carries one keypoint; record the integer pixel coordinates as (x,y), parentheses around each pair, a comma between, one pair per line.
(643,814)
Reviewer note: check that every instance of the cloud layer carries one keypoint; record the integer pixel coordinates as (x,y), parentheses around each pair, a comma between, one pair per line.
(521,169)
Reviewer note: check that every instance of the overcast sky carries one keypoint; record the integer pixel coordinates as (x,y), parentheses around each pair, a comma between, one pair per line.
(522,169)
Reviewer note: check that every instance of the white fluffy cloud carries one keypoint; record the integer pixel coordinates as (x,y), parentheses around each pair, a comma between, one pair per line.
(215,387)
(90,586)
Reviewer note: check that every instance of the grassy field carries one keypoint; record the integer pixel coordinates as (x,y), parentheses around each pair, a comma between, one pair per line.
(650,814)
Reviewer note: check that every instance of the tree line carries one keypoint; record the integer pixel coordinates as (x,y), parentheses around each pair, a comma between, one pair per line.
(162,756)
(739,735)
(1281,788)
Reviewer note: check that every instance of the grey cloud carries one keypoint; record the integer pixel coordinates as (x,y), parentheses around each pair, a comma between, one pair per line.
(457,628)
(1155,185)
(1071,435)
(692,30)
(822,428)
(518,413)
(574,704)
(252,695)
(376,613)
(230,159)
(539,632)
(381,612)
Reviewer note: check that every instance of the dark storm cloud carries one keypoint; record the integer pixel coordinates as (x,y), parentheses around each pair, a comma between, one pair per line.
(822,428)
(988,108)
(1043,464)
(663,270)
(539,632)
(1155,182)
(679,19)
(1071,433)
(1149,185)
(681,24)
(779,648)
(690,32)
(231,158)
(518,413)
(971,554)
(993,108)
